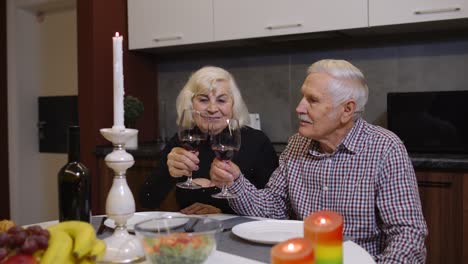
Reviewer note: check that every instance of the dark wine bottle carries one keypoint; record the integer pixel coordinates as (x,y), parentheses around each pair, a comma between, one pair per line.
(74,186)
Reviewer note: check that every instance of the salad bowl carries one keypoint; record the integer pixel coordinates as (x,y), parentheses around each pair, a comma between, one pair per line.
(178,239)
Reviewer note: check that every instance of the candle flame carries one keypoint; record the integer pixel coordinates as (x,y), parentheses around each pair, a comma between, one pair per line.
(117,34)
(292,247)
(323,221)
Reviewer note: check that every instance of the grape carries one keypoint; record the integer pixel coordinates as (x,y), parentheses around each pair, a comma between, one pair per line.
(45,233)
(34,230)
(42,242)
(3,253)
(3,239)
(15,229)
(16,240)
(29,246)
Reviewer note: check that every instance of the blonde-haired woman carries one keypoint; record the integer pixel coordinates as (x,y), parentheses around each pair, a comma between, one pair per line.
(214,91)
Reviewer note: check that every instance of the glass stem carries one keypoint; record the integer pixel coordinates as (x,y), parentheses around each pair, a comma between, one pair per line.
(224,190)
(189,179)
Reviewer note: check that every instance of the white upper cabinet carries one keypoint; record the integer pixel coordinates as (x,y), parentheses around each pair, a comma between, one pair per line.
(239,19)
(158,23)
(388,12)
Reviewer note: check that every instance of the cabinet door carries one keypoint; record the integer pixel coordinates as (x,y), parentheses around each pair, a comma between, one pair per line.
(241,19)
(386,12)
(441,197)
(159,23)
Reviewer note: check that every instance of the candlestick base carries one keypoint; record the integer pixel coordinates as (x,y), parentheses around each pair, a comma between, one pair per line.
(123,248)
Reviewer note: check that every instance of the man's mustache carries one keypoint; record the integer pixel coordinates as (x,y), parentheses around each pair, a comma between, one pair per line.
(304,118)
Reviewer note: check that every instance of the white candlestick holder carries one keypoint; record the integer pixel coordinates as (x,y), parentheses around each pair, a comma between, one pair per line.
(120,204)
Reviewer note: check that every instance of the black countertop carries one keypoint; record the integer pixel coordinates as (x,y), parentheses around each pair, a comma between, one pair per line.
(147,150)
(439,161)
(421,161)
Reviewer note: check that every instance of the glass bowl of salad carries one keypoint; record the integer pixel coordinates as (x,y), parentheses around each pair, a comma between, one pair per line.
(178,239)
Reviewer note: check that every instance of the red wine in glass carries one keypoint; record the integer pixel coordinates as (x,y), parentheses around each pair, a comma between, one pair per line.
(191,143)
(224,153)
(190,138)
(225,142)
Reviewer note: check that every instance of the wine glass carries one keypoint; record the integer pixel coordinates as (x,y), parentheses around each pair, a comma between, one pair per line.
(190,137)
(225,144)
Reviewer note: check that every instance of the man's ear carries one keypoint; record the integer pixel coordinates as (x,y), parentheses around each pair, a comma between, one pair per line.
(349,107)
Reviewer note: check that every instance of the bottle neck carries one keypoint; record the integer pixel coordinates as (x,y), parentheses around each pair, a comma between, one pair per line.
(73,143)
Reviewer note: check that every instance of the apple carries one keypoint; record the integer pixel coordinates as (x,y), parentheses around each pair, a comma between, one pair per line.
(20,259)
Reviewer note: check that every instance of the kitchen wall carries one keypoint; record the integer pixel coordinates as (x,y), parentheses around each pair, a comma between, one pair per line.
(270,81)
(41,62)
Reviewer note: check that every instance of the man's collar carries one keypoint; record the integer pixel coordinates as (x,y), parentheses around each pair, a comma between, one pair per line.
(352,140)
(349,144)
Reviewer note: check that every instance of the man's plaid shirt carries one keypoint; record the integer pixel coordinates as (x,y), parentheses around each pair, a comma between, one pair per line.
(369,180)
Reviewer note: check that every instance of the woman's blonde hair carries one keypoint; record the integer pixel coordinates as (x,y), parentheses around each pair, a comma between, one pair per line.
(201,82)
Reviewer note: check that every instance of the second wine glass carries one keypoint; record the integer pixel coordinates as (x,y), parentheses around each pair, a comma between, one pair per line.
(190,137)
(225,142)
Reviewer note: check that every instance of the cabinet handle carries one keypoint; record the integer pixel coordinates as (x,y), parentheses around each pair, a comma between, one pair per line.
(167,38)
(434,184)
(283,26)
(434,11)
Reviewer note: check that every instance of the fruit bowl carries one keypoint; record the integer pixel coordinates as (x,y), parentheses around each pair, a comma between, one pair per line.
(178,239)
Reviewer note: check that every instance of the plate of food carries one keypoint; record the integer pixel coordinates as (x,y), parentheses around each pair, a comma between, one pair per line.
(140,217)
(269,231)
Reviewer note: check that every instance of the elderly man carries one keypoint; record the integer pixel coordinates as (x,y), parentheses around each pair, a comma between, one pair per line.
(340,162)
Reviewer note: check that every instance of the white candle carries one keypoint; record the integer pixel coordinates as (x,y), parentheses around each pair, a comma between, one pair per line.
(118,84)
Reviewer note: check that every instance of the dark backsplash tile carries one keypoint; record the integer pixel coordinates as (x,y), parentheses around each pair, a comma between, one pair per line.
(270,83)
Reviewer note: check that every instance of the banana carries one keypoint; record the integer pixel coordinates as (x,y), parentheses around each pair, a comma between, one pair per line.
(87,261)
(98,250)
(82,234)
(59,249)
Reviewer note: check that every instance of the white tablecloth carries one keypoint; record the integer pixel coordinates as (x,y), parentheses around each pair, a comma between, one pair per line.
(352,253)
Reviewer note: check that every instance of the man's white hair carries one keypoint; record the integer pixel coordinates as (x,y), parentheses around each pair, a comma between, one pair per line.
(347,82)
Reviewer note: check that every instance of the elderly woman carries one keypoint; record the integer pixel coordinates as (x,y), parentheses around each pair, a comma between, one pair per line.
(214,91)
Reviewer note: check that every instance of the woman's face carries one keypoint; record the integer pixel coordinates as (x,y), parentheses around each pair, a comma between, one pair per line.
(218,105)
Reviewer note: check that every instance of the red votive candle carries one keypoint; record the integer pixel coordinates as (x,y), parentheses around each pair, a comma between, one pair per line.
(325,230)
(293,251)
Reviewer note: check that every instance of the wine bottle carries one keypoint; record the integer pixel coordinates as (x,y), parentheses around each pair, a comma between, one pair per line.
(74,186)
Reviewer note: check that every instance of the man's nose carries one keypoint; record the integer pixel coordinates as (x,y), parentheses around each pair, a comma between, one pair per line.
(301,106)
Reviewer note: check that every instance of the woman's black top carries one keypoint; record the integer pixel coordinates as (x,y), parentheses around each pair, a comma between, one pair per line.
(256,159)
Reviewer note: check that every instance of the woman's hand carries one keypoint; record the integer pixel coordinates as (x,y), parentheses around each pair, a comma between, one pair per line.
(199,208)
(223,172)
(204,183)
(181,162)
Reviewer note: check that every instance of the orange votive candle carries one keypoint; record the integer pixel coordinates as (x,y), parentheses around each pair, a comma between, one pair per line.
(325,230)
(293,251)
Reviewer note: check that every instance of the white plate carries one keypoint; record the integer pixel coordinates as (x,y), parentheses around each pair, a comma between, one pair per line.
(353,253)
(140,217)
(269,231)
(44,224)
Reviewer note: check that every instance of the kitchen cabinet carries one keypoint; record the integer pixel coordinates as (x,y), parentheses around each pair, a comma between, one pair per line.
(410,11)
(159,23)
(242,19)
(445,210)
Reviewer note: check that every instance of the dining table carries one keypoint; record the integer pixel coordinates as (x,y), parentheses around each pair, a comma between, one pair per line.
(230,248)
